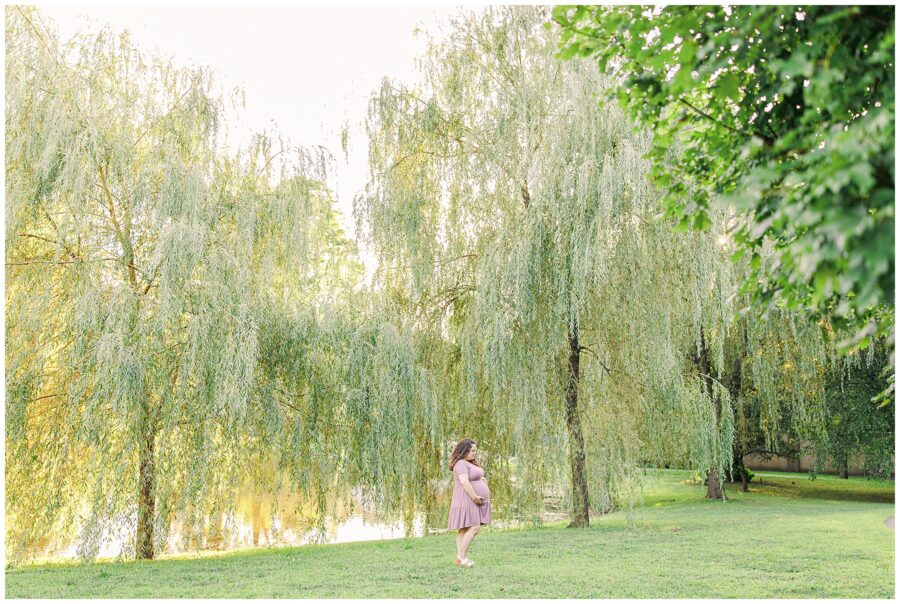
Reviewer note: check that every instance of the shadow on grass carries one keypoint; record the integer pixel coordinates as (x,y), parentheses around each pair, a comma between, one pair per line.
(803,488)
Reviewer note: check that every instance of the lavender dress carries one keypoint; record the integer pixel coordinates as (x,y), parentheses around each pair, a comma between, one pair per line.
(463,511)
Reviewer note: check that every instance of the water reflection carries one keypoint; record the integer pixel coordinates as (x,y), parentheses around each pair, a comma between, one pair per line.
(259,523)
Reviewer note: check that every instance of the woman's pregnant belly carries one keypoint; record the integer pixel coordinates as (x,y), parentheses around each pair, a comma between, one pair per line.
(481,488)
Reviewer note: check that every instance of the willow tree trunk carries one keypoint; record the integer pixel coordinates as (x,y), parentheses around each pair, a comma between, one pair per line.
(738,465)
(713,483)
(146,494)
(256,517)
(580,500)
(845,468)
(734,389)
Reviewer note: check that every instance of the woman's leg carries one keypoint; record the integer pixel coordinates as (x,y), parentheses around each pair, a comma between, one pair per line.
(459,538)
(467,540)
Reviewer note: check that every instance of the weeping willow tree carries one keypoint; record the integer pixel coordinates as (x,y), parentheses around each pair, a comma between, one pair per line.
(752,378)
(854,425)
(146,278)
(796,391)
(108,217)
(514,212)
(342,404)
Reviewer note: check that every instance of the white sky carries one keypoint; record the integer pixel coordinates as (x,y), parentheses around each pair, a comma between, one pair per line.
(307,69)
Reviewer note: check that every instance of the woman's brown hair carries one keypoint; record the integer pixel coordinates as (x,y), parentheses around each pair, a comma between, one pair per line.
(460,452)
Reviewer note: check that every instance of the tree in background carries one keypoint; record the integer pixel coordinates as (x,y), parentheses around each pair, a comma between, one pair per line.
(113,237)
(785,114)
(758,378)
(854,426)
(777,381)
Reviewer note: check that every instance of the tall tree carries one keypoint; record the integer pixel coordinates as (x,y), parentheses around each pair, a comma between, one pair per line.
(143,272)
(515,214)
(748,380)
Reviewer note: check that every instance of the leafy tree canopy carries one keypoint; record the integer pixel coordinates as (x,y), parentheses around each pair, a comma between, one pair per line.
(172,314)
(783,113)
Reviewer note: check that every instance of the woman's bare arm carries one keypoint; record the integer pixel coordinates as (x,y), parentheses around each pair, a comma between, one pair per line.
(464,481)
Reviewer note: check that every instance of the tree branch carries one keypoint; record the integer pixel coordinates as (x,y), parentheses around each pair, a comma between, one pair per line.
(127,250)
(769,141)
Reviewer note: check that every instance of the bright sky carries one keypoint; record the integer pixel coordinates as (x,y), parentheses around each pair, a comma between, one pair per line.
(308,69)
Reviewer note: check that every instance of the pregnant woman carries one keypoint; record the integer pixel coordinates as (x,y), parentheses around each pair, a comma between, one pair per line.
(470,506)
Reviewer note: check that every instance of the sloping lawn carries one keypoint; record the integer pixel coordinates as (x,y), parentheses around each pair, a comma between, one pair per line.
(788,537)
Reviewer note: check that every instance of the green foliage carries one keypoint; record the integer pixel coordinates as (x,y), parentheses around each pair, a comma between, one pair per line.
(147,277)
(785,114)
(513,211)
(510,207)
(854,425)
(160,292)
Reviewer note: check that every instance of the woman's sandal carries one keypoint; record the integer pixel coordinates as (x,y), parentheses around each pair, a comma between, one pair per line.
(467,563)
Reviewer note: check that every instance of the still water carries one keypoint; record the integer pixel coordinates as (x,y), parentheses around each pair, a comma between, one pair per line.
(256,524)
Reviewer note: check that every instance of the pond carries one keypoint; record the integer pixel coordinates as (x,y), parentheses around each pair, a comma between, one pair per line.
(255,524)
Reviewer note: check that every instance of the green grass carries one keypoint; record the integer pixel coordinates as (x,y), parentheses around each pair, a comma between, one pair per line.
(790,537)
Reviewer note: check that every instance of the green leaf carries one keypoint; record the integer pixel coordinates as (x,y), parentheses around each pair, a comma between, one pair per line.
(728,86)
(683,79)
(702,221)
(798,65)
(755,261)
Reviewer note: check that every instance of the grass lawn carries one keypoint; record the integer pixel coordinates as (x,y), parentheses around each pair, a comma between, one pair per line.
(788,537)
